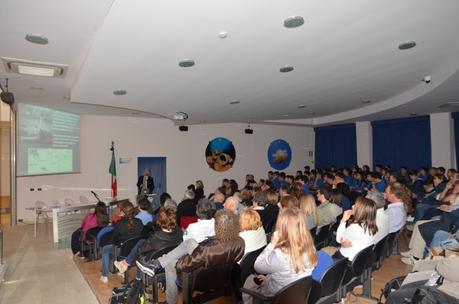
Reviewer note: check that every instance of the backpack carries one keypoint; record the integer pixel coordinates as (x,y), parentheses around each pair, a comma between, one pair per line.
(128,294)
(390,286)
(431,295)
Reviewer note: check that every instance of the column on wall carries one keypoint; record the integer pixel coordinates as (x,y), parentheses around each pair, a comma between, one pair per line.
(364,136)
(442,140)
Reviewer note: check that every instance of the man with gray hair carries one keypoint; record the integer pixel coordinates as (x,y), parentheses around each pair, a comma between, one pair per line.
(232,203)
(204,227)
(187,207)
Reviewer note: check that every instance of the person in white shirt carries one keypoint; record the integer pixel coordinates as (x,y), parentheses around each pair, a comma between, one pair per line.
(399,198)
(357,233)
(252,231)
(205,226)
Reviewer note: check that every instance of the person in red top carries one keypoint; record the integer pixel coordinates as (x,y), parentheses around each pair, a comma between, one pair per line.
(99,218)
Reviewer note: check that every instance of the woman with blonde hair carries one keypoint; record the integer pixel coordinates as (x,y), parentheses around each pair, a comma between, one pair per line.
(357,229)
(252,231)
(309,208)
(290,256)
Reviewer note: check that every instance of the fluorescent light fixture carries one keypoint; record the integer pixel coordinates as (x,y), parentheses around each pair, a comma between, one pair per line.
(180,116)
(34,68)
(36,71)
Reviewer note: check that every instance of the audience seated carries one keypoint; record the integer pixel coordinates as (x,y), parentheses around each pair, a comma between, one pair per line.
(252,231)
(199,192)
(290,256)
(309,208)
(187,207)
(99,218)
(398,197)
(144,215)
(358,232)
(204,227)
(268,212)
(326,211)
(190,255)
(232,204)
(218,198)
(168,234)
(128,227)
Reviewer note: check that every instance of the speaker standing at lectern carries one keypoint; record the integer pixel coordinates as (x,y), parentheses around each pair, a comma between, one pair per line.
(145,184)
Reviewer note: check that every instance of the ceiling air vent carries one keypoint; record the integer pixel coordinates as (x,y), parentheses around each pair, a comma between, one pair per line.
(34,68)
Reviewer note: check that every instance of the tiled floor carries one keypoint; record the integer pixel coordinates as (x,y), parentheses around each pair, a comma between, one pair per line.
(39,273)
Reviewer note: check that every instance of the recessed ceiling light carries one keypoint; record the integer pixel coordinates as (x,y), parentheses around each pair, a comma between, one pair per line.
(286,69)
(285,115)
(406,45)
(234,102)
(301,106)
(180,116)
(186,63)
(36,88)
(292,22)
(222,35)
(413,114)
(366,101)
(119,92)
(34,68)
(36,38)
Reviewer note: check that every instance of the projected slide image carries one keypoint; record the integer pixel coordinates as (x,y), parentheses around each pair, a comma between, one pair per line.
(38,127)
(49,160)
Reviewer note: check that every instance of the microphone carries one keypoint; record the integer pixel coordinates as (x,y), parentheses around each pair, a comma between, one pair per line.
(97,197)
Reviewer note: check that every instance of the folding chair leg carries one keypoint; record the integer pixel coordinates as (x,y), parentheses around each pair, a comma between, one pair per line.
(366,292)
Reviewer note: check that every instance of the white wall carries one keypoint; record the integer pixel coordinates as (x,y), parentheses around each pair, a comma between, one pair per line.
(364,139)
(185,152)
(442,140)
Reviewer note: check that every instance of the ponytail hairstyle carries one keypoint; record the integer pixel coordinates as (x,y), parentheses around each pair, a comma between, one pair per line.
(403,193)
(128,210)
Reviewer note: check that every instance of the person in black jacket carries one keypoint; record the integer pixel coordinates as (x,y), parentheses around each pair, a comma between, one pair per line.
(128,227)
(145,184)
(187,207)
(168,234)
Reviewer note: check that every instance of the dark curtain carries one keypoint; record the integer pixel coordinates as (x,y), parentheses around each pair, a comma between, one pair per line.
(456,135)
(402,142)
(335,145)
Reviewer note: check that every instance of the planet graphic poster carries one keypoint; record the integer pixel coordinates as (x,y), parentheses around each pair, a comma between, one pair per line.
(279,154)
(220,154)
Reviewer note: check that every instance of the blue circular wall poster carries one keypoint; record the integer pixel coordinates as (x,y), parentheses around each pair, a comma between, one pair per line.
(279,154)
(220,154)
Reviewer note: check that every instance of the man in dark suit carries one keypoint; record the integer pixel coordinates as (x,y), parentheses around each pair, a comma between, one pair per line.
(145,184)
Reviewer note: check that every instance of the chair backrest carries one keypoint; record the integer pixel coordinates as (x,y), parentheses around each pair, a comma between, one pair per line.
(247,263)
(363,260)
(209,281)
(187,220)
(105,237)
(378,248)
(316,291)
(333,276)
(296,292)
(91,234)
(322,235)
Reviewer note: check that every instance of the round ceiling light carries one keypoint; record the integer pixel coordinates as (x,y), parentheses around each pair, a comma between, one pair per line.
(413,114)
(222,35)
(234,102)
(366,101)
(119,92)
(180,116)
(292,22)
(36,38)
(301,106)
(407,45)
(186,63)
(286,69)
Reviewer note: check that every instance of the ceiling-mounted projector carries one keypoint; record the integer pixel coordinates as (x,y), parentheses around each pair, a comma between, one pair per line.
(183,128)
(248,131)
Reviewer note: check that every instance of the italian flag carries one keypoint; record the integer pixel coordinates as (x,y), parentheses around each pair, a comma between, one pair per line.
(112,171)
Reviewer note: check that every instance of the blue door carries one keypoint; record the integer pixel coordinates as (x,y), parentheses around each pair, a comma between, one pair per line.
(157,167)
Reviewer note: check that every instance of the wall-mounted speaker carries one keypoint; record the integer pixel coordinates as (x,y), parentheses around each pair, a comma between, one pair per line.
(183,128)
(7,97)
